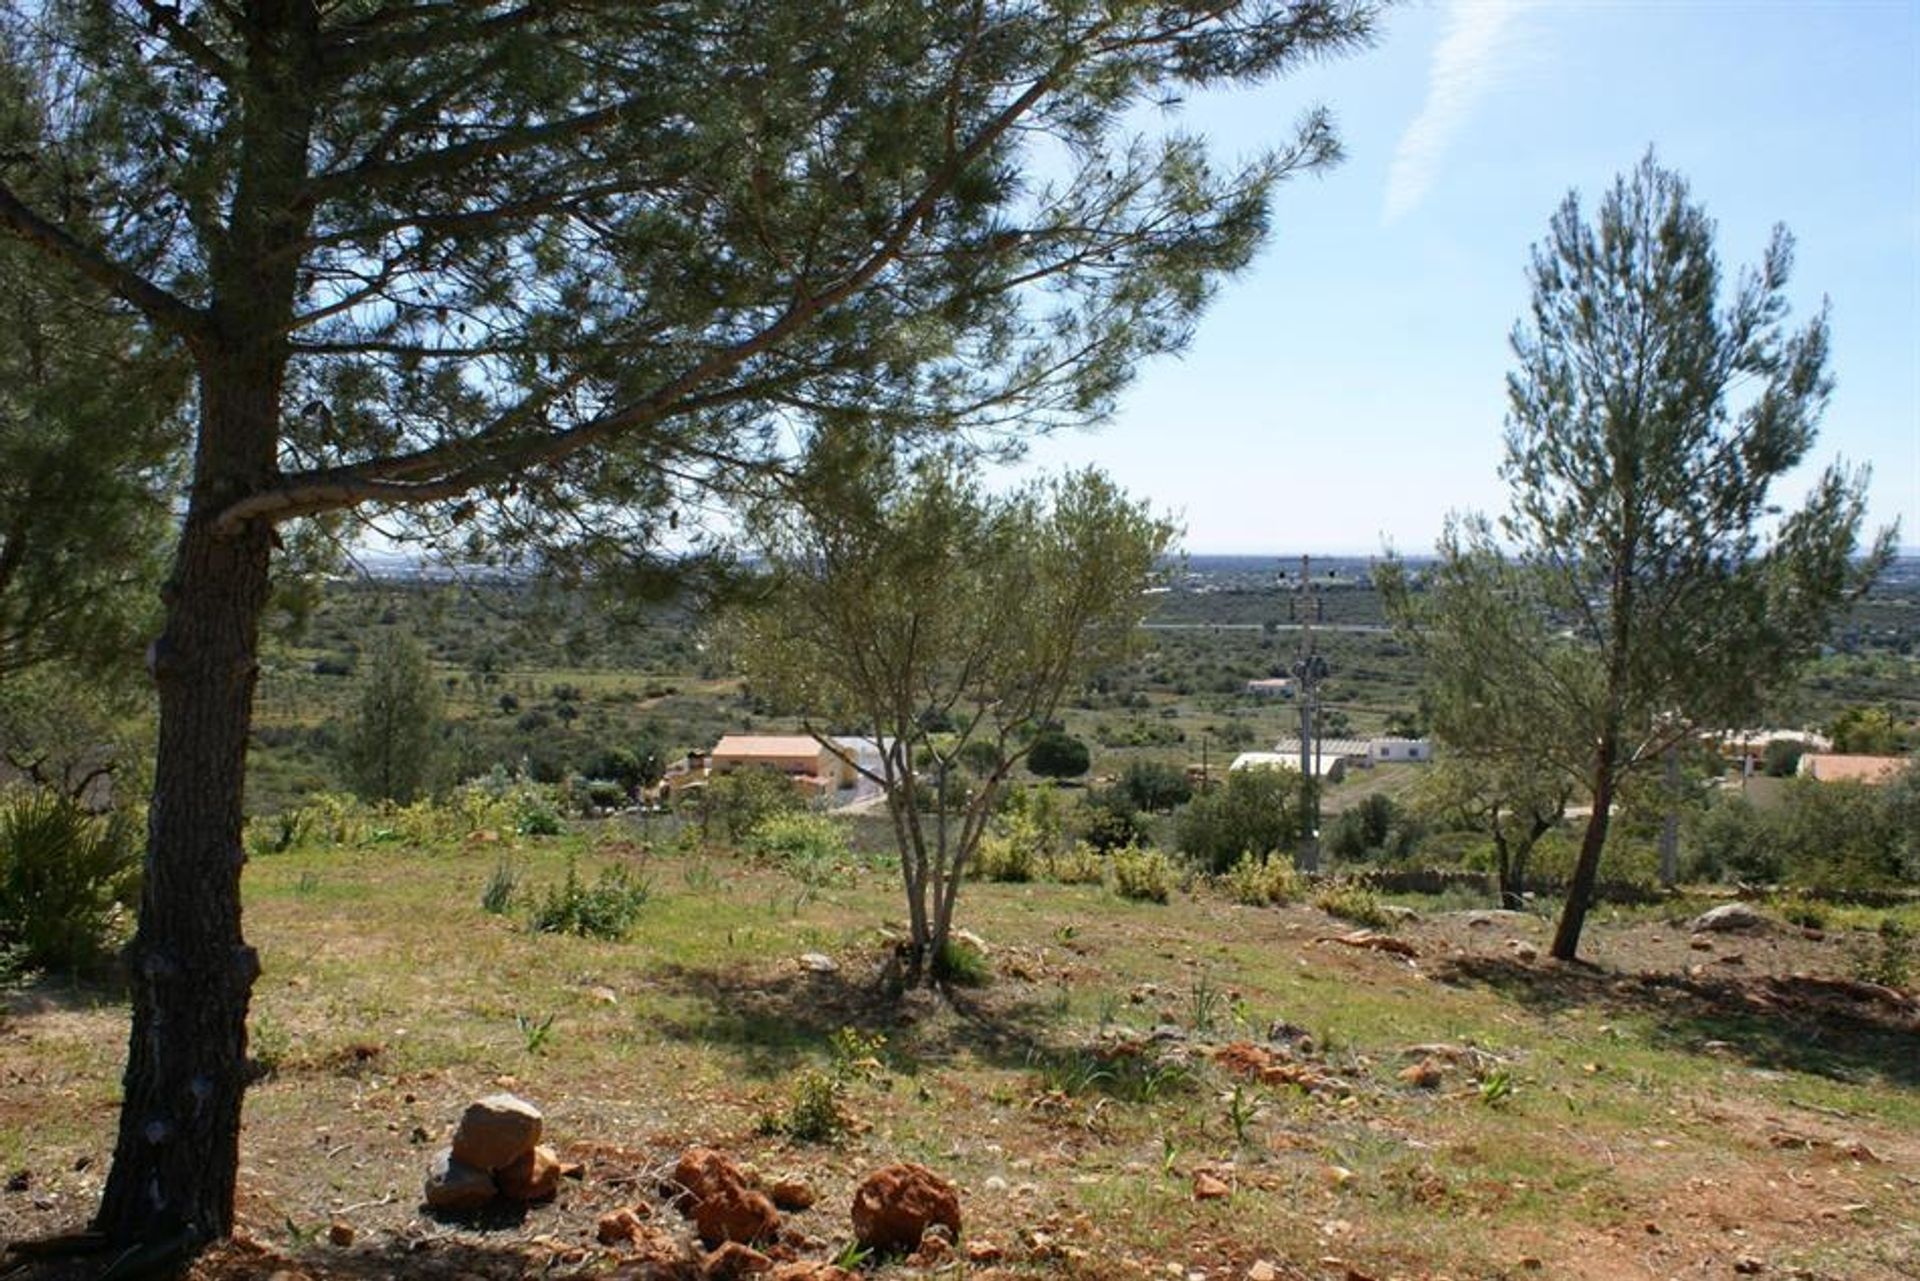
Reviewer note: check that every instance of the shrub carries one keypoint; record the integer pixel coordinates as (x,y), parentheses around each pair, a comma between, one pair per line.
(1255,809)
(1889,961)
(1058,755)
(1081,865)
(1155,786)
(811,846)
(962,964)
(605,910)
(1375,826)
(1144,875)
(1353,903)
(1110,820)
(1261,882)
(1003,858)
(497,897)
(67,880)
(733,804)
(814,1112)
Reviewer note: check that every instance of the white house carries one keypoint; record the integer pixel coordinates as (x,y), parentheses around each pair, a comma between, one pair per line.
(1382,750)
(1331,768)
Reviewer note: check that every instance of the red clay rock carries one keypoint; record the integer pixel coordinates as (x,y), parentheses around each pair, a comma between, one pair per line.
(716,1196)
(733,1261)
(496,1131)
(619,1225)
(1210,1187)
(809,1270)
(534,1177)
(792,1194)
(895,1205)
(735,1214)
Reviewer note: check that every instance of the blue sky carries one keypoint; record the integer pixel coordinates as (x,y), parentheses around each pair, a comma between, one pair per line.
(1348,390)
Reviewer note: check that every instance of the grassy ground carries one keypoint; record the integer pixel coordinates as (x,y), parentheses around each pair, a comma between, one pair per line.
(1665,1111)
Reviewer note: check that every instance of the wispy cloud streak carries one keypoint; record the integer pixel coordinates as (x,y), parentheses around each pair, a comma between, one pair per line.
(1472,56)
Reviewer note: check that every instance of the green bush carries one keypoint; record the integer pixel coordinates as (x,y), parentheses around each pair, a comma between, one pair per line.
(1155,786)
(1255,809)
(1374,828)
(735,803)
(1003,858)
(810,846)
(67,880)
(1057,755)
(962,965)
(1144,875)
(1350,902)
(605,910)
(1261,882)
(1081,865)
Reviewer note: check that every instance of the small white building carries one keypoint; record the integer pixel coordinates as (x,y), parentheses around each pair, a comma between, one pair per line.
(1331,768)
(1271,687)
(1383,750)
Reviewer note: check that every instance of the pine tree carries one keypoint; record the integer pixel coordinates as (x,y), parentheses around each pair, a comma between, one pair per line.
(550,274)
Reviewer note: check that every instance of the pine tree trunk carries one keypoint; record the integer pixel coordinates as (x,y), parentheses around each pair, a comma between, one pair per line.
(191,971)
(1586,870)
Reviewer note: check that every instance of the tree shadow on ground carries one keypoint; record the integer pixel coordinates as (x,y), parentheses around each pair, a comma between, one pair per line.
(442,1257)
(1831,1027)
(776,1022)
(64,994)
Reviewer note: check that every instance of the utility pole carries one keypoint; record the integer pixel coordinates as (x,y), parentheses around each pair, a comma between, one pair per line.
(1308,671)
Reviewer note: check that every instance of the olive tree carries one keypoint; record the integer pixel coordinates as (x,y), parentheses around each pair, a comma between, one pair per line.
(551,274)
(904,599)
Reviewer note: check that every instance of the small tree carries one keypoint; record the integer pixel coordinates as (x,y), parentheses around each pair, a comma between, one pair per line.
(1057,755)
(902,597)
(1647,424)
(1258,811)
(1513,800)
(1156,786)
(392,740)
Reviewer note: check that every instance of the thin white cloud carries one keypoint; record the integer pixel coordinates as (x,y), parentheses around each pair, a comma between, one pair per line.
(1471,58)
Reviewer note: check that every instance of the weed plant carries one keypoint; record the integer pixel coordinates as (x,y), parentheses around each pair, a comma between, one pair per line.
(1142,875)
(497,897)
(68,880)
(605,910)
(1350,902)
(1261,882)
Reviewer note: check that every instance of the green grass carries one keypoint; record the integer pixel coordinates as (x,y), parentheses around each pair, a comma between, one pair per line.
(383,974)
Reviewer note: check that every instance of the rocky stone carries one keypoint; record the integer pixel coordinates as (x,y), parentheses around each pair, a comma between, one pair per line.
(700,1172)
(1728,917)
(1263,1271)
(895,1205)
(718,1198)
(818,963)
(792,1194)
(454,1185)
(617,1226)
(732,1261)
(809,1270)
(496,1131)
(1210,1187)
(1424,1075)
(534,1177)
(1523,951)
(340,1233)
(984,1253)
